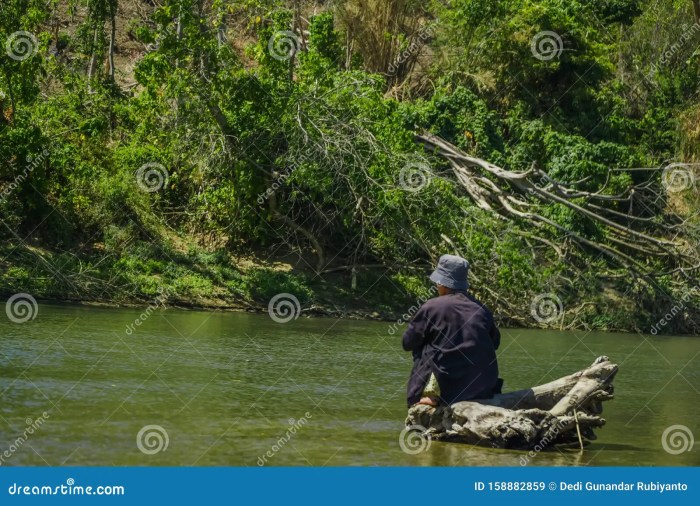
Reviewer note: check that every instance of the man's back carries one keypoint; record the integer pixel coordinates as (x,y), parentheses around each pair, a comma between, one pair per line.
(454,337)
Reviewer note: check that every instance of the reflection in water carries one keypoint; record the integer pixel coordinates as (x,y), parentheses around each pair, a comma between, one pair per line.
(451,454)
(224,386)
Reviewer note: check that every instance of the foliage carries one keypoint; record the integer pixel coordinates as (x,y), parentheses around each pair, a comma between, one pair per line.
(304,151)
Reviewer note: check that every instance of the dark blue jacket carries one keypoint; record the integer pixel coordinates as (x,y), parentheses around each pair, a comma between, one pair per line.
(454,337)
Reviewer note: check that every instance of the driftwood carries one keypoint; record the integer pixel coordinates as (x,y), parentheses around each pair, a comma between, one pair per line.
(520,195)
(562,412)
(641,235)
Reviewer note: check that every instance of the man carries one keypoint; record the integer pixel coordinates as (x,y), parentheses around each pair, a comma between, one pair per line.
(454,340)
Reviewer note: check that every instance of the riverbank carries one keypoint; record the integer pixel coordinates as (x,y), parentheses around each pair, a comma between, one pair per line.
(197,279)
(188,276)
(314,311)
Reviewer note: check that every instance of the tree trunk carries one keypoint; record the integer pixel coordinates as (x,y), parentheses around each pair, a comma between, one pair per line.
(523,196)
(562,412)
(93,59)
(112,37)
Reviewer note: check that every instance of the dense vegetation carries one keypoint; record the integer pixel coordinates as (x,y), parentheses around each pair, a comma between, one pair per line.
(202,147)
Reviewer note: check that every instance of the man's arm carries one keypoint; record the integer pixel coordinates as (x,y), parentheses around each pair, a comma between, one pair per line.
(417,332)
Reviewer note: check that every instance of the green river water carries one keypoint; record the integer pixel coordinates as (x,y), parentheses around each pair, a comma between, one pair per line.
(225,387)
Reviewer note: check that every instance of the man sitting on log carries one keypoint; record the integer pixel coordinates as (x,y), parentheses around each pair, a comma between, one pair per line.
(453,339)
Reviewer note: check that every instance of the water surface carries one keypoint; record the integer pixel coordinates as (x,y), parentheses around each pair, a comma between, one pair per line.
(227,388)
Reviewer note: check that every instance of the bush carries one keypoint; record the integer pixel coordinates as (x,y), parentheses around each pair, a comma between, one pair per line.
(263,284)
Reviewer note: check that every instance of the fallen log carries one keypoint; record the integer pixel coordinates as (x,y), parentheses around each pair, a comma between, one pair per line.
(563,412)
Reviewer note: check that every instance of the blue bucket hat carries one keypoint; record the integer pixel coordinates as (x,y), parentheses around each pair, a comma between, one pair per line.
(451,272)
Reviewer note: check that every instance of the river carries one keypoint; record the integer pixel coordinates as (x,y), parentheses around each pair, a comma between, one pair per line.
(239,389)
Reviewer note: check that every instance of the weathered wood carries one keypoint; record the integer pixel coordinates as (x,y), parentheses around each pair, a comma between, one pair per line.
(521,195)
(535,418)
